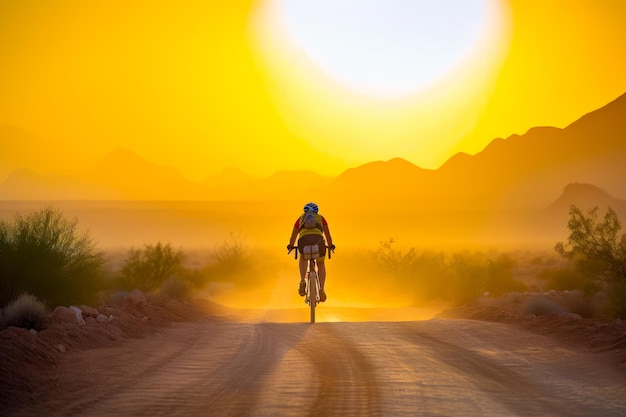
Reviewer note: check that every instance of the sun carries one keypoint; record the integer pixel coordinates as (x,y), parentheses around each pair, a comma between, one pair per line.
(386,48)
(364,80)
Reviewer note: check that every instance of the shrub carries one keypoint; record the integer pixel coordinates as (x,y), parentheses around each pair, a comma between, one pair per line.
(561,279)
(26,312)
(541,306)
(617,300)
(176,289)
(148,268)
(577,302)
(458,278)
(598,251)
(230,261)
(44,254)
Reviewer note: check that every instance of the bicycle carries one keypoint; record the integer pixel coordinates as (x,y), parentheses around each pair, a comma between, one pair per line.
(311,253)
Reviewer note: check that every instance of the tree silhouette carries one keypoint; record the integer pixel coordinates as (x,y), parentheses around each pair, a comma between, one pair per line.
(597,248)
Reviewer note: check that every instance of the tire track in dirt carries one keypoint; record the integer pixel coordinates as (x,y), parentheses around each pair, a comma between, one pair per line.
(373,369)
(91,385)
(346,379)
(212,370)
(237,386)
(519,388)
(221,375)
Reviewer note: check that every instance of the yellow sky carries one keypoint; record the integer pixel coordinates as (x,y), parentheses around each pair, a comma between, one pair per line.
(203,86)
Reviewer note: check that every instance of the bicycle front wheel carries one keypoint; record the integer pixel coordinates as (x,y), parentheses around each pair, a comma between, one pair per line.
(312,294)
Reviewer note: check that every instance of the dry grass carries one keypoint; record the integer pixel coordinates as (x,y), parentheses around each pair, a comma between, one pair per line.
(26,312)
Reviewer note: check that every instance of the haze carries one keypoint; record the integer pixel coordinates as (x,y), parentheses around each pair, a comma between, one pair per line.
(203,87)
(190,125)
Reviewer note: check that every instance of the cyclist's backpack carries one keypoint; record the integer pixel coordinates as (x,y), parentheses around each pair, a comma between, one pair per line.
(308,222)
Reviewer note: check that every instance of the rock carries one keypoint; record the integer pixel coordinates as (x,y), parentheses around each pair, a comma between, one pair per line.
(88,311)
(137,297)
(61,348)
(79,315)
(101,318)
(64,315)
(17,333)
(572,316)
(33,331)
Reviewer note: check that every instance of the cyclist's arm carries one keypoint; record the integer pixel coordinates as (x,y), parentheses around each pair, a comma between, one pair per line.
(329,239)
(294,236)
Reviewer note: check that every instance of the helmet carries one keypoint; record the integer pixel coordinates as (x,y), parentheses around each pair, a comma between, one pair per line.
(311,206)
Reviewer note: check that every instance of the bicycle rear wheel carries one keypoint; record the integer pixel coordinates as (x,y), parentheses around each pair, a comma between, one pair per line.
(312,294)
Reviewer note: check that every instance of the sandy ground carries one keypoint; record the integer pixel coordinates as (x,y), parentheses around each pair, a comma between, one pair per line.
(171,358)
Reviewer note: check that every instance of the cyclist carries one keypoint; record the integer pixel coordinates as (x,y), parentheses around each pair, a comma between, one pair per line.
(309,233)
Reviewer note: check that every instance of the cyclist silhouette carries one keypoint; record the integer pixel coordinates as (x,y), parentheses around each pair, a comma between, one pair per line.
(310,229)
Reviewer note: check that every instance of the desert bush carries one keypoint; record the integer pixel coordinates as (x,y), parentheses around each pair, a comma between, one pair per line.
(577,302)
(542,306)
(175,288)
(568,278)
(457,277)
(148,268)
(229,261)
(26,311)
(44,254)
(598,251)
(617,300)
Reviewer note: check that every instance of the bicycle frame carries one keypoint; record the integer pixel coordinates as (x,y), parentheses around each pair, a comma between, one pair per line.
(312,277)
(313,287)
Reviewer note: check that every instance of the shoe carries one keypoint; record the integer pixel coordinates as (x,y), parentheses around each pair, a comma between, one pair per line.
(302,289)
(322,296)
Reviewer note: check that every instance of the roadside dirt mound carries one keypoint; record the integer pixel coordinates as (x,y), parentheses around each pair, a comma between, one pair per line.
(29,359)
(552,318)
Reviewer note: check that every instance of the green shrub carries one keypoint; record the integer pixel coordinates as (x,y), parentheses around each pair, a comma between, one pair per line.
(598,251)
(148,268)
(44,254)
(26,312)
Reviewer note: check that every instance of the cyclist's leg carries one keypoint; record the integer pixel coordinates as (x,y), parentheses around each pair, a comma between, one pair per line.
(321,265)
(302,265)
(321,272)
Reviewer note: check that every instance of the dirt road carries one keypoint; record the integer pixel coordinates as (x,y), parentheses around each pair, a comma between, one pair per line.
(422,368)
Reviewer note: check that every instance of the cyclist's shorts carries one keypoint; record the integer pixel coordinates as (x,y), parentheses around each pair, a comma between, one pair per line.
(307,240)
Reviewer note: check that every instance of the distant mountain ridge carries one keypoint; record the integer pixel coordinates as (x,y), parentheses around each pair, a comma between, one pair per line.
(521,171)
(585,197)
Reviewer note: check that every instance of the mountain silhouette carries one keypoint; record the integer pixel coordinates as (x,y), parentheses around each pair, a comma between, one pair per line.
(232,184)
(551,221)
(521,171)
(585,197)
(25,184)
(377,175)
(140,179)
(21,149)
(229,178)
(120,175)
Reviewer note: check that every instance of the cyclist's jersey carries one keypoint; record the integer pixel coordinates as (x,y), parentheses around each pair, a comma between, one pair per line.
(318,230)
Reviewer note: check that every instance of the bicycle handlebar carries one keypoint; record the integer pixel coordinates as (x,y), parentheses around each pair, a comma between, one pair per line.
(330,251)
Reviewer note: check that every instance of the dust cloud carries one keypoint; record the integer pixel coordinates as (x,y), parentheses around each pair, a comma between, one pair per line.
(262,285)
